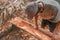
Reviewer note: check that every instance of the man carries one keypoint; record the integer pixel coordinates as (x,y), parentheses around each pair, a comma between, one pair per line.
(32,9)
(48,10)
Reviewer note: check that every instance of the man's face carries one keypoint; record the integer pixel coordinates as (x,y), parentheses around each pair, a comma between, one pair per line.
(41,7)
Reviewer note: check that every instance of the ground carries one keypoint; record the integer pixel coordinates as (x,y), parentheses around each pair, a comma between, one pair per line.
(9,9)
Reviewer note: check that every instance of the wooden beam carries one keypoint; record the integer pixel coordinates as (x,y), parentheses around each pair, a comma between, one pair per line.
(29,28)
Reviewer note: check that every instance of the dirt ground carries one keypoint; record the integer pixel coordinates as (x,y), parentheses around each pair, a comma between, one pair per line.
(8,10)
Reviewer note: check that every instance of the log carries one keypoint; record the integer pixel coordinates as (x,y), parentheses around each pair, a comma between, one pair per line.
(29,28)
